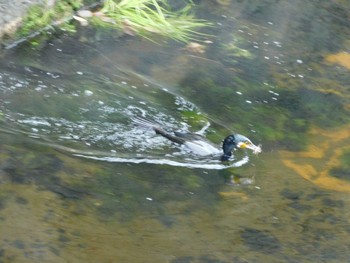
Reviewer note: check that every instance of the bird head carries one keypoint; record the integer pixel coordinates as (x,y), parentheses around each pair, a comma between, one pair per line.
(237,141)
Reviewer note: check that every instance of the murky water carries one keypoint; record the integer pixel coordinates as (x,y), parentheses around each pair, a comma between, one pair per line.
(80,183)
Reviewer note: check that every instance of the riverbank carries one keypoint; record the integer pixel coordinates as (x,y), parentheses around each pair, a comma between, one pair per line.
(145,18)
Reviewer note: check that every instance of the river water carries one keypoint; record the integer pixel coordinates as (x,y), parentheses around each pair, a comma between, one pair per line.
(81,183)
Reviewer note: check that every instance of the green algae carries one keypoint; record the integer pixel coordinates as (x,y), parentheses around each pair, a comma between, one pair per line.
(298,105)
(287,128)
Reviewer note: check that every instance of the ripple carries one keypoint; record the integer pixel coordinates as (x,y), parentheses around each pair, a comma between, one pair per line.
(216,165)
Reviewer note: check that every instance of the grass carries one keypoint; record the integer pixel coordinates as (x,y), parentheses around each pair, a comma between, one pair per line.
(149,17)
(146,18)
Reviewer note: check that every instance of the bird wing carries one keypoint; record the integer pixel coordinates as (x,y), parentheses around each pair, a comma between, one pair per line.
(157,128)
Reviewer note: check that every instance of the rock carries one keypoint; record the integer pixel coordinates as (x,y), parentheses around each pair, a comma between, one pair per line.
(12,13)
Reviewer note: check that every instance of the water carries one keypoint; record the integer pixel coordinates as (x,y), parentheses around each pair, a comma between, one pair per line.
(81,183)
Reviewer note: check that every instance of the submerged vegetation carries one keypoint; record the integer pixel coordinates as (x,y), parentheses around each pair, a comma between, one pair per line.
(233,51)
(133,17)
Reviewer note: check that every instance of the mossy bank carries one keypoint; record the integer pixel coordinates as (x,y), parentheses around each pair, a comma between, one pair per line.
(13,12)
(138,17)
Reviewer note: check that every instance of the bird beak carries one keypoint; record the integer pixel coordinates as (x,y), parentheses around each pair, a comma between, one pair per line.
(251,146)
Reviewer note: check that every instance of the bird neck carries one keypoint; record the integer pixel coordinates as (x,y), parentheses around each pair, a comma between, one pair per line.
(227,147)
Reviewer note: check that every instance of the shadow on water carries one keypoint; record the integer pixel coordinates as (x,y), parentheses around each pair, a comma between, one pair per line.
(81,183)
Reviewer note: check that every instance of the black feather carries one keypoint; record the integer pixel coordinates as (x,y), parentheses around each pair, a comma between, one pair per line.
(227,146)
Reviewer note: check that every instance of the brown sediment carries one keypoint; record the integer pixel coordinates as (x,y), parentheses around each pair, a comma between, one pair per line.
(335,143)
(341,58)
(312,151)
(334,135)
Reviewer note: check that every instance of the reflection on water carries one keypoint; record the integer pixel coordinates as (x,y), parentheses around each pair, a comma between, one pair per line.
(79,182)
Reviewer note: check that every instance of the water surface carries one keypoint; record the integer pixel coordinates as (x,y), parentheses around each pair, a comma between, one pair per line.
(80,183)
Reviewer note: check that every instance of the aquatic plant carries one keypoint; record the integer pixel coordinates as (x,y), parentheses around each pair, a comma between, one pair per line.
(147,17)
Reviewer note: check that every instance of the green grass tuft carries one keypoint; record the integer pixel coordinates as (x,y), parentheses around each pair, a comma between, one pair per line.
(147,17)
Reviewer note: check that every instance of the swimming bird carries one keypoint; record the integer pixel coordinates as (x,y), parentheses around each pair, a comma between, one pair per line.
(198,144)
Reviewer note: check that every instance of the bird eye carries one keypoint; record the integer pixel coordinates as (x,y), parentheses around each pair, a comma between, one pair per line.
(247,142)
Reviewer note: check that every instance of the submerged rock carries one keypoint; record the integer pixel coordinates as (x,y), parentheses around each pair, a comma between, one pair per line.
(260,240)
